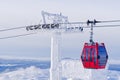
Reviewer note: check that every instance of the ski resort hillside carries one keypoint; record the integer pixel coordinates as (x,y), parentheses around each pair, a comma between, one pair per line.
(71,70)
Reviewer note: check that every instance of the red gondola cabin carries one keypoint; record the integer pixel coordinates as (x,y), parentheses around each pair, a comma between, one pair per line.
(94,56)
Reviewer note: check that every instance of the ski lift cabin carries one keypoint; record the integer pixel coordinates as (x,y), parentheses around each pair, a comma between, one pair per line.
(94,56)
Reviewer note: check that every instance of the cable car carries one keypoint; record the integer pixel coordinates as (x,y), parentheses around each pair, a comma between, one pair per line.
(94,56)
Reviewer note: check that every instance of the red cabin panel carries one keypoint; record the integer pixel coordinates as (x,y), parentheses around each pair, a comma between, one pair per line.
(94,56)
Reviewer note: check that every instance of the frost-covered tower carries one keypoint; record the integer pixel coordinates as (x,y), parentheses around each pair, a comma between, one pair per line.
(55,70)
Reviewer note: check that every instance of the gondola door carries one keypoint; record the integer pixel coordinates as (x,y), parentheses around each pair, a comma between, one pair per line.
(89,56)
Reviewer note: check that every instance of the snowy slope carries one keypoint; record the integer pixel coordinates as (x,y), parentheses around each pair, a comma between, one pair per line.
(71,70)
(30,73)
(74,69)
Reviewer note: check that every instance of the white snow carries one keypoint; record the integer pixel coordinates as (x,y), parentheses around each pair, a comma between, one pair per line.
(74,69)
(30,73)
(71,70)
(8,65)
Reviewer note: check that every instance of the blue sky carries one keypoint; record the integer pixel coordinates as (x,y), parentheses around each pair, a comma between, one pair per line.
(14,13)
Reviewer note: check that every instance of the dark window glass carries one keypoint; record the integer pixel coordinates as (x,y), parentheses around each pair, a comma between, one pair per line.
(102,55)
(87,52)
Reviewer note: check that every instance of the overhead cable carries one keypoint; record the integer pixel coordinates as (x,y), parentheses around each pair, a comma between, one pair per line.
(1,30)
(17,36)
